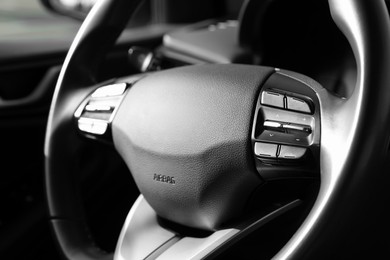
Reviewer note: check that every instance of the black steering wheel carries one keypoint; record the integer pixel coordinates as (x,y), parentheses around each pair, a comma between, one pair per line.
(202,142)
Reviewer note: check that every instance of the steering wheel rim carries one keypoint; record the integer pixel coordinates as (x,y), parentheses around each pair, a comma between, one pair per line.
(366,26)
(101,26)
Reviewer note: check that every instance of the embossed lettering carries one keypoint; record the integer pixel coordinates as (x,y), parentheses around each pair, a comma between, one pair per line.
(164,178)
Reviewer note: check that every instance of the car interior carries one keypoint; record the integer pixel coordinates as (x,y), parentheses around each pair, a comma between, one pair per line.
(219,129)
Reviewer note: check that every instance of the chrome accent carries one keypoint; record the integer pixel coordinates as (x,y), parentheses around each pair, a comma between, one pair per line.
(197,248)
(272,124)
(141,234)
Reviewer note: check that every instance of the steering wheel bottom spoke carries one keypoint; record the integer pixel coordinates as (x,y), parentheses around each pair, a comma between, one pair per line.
(142,225)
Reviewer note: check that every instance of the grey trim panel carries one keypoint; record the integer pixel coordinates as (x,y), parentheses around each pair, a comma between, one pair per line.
(141,234)
(142,237)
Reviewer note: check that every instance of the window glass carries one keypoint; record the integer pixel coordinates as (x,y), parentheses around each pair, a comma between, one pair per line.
(29,19)
(16,9)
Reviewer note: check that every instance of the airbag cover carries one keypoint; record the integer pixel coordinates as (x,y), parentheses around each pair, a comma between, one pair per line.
(185,136)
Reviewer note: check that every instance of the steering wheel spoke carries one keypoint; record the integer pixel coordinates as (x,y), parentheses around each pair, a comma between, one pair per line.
(142,225)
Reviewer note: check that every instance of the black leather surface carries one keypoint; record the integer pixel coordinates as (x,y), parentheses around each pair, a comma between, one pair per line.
(81,246)
(354,217)
(192,124)
(79,72)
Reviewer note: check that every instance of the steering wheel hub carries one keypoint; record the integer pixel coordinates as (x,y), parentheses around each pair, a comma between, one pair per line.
(185,136)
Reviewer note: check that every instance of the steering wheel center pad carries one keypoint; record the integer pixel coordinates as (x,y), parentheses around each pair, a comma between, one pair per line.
(185,136)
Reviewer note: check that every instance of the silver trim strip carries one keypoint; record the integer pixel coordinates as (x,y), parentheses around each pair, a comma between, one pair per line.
(141,234)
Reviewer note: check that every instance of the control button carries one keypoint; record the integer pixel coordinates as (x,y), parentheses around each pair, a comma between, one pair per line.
(290,128)
(98,108)
(297,105)
(272,124)
(291,152)
(110,90)
(298,128)
(286,138)
(92,126)
(270,114)
(266,150)
(272,99)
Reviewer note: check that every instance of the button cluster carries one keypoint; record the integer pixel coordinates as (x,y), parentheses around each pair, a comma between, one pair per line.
(285,101)
(95,114)
(276,151)
(286,130)
(285,127)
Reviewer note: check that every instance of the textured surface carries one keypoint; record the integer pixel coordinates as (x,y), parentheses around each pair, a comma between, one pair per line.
(192,124)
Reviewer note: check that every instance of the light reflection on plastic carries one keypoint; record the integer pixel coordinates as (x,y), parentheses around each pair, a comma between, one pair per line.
(78,4)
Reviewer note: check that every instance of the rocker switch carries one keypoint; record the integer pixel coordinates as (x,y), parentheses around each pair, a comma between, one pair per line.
(272,99)
(291,152)
(297,105)
(266,150)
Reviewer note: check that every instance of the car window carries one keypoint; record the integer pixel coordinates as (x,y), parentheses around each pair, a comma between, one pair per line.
(29,19)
